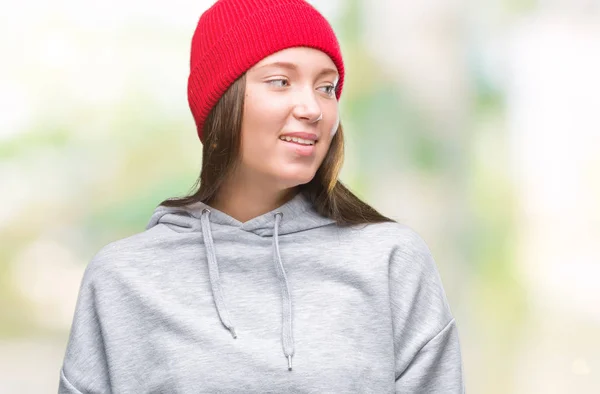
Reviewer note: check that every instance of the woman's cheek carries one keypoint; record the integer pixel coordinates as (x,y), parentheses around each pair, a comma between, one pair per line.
(335,124)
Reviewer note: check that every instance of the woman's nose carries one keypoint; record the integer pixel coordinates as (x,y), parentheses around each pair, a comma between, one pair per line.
(307,107)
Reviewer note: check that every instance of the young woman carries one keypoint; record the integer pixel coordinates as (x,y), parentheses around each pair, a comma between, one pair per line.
(272,277)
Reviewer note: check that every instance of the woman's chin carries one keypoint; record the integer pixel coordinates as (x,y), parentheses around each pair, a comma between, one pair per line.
(296,177)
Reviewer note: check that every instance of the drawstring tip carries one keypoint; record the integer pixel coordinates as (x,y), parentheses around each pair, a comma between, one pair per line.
(233,334)
(289,362)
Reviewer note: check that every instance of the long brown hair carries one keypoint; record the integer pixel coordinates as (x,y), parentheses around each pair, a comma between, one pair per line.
(220,157)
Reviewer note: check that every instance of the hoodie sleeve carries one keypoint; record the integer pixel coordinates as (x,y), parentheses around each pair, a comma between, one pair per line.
(84,368)
(426,344)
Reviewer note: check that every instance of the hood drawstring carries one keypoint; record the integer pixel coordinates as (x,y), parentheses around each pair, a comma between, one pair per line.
(287,336)
(213,273)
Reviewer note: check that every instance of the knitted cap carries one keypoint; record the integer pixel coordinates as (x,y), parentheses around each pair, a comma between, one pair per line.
(234,35)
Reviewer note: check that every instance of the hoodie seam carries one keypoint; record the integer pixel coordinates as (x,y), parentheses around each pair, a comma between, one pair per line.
(442,331)
(70,385)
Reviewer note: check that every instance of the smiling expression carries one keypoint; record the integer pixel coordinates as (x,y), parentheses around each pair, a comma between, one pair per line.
(290,116)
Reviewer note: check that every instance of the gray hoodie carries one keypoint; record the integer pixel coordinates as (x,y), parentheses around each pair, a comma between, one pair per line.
(287,302)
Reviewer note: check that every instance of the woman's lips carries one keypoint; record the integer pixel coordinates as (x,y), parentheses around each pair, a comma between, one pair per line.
(300,149)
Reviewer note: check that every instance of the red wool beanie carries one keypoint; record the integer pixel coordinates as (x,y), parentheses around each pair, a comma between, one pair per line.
(234,35)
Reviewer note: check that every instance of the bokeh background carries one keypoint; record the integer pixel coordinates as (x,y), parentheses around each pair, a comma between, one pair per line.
(477,123)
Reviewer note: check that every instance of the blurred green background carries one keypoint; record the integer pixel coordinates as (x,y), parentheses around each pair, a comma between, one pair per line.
(475,123)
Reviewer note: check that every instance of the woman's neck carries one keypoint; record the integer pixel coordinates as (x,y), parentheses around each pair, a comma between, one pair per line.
(244,201)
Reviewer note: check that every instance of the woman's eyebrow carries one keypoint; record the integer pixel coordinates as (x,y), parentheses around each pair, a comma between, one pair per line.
(294,67)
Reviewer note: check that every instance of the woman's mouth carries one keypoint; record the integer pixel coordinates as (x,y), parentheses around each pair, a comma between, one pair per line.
(301,147)
(299,141)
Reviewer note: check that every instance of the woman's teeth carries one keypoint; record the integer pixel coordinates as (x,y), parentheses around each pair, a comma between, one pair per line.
(298,140)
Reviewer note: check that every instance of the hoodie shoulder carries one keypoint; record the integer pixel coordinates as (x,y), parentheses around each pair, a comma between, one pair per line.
(408,255)
(408,249)
(408,244)
(122,252)
(400,237)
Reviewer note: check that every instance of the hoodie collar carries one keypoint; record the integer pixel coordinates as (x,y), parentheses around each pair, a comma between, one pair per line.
(298,215)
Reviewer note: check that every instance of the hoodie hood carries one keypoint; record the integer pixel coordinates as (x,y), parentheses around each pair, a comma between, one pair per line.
(298,214)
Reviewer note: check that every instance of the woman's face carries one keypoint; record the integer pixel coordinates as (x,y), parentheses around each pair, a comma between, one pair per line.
(288,93)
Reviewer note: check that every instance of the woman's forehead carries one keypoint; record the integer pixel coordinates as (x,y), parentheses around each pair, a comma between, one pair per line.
(297,57)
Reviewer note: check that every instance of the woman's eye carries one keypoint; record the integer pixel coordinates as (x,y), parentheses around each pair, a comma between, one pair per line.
(277,82)
(330,89)
(281,83)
